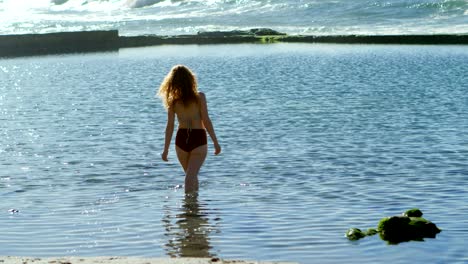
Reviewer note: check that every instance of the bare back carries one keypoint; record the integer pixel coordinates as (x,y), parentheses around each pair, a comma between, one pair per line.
(189,116)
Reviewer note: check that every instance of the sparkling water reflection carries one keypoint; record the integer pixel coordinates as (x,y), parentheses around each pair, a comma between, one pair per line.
(188,232)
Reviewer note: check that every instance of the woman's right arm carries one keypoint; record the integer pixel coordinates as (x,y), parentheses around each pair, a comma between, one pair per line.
(207,123)
(169,132)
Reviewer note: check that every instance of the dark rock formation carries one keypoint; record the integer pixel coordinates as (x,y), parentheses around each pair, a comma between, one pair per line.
(396,229)
(222,34)
(265,32)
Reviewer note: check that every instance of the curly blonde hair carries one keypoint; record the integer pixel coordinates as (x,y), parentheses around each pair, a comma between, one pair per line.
(179,84)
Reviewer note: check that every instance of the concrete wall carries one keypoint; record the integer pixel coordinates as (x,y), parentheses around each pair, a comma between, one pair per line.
(53,43)
(92,41)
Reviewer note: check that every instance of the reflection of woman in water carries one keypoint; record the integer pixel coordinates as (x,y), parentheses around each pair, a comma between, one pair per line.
(189,236)
(181,97)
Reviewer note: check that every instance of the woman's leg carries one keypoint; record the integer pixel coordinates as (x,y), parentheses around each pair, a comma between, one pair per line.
(195,161)
(183,157)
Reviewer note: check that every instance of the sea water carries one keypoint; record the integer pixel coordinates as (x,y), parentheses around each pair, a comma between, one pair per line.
(316,139)
(174,17)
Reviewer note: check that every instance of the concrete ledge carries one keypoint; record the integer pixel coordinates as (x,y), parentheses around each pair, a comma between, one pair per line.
(92,41)
(140,41)
(125,260)
(383,39)
(55,43)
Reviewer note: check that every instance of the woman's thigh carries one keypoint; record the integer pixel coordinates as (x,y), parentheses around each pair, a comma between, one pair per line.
(196,159)
(183,157)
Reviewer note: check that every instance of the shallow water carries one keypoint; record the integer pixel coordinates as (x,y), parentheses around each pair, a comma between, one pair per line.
(316,139)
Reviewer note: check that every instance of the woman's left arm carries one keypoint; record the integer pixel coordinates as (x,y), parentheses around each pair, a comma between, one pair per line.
(169,132)
(207,123)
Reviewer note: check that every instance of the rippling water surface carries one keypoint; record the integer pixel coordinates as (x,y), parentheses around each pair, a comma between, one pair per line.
(316,139)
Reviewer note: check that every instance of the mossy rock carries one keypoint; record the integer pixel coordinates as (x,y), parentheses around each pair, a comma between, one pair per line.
(415,212)
(372,231)
(410,226)
(355,234)
(397,229)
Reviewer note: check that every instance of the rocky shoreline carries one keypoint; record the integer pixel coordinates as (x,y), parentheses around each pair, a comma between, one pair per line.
(95,41)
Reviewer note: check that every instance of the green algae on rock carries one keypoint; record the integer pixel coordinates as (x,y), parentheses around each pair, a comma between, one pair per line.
(415,212)
(356,233)
(410,226)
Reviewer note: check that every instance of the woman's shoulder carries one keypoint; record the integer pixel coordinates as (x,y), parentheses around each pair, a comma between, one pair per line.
(201,96)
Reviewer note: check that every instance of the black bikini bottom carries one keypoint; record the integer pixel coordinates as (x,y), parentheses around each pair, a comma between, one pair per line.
(189,139)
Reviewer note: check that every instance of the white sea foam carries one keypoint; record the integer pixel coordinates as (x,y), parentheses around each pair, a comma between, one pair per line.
(172,17)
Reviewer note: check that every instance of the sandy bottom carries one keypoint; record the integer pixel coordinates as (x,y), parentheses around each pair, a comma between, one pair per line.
(125,260)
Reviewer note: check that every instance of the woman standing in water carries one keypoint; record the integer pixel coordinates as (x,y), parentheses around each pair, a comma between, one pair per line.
(181,97)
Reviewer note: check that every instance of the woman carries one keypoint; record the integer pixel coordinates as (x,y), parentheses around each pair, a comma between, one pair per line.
(180,97)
